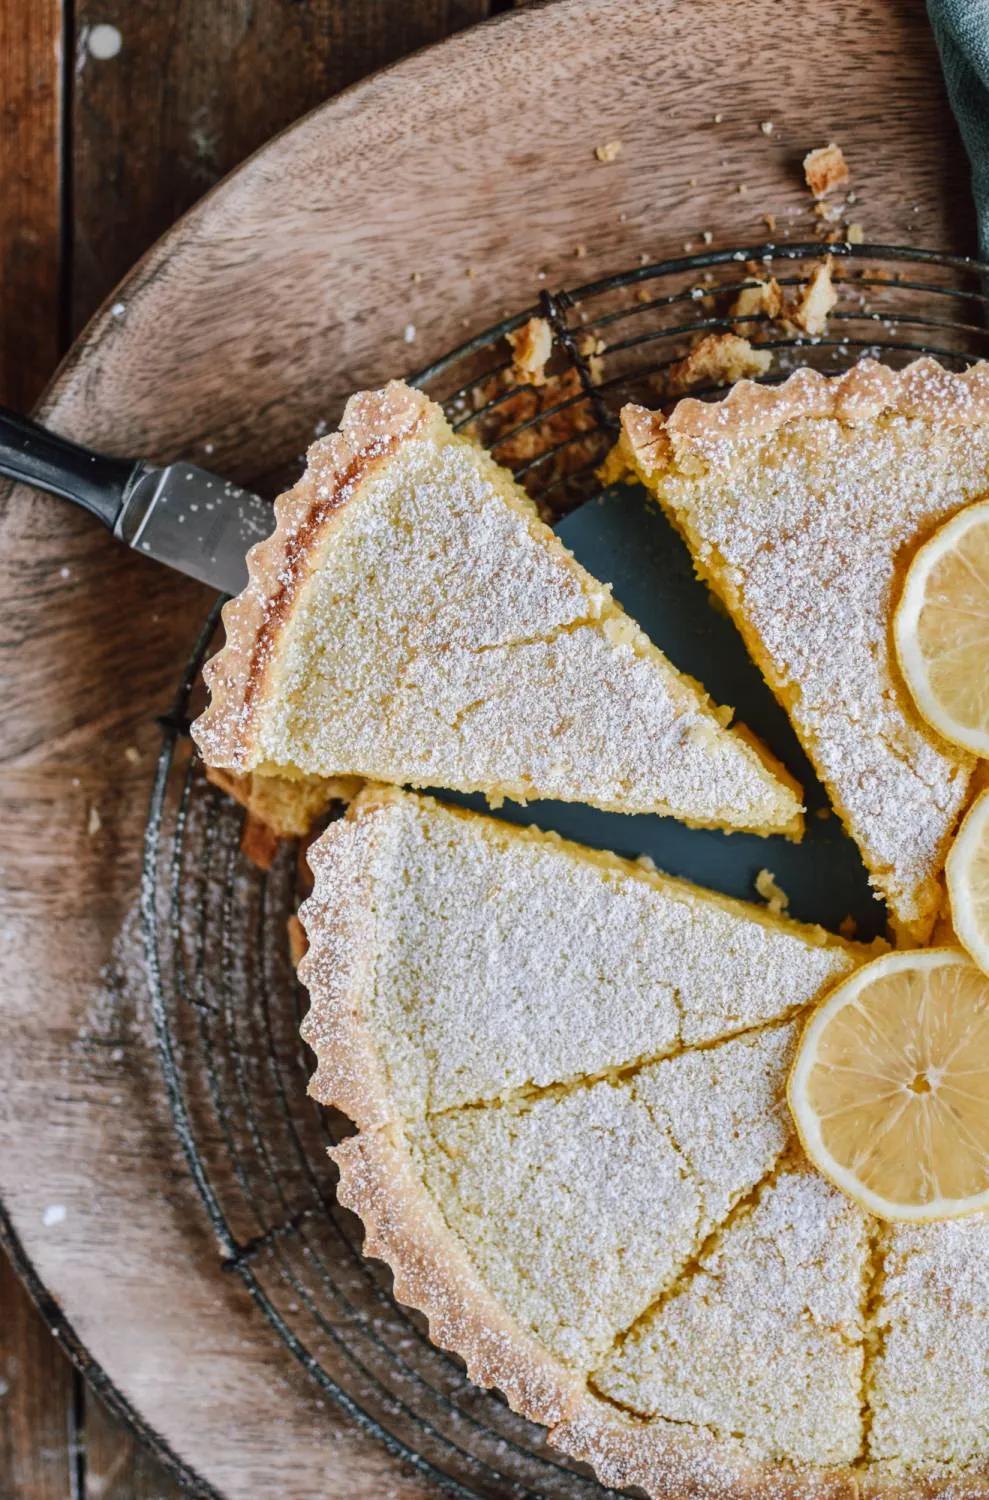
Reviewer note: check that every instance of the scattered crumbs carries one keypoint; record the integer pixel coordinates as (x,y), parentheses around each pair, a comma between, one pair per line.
(742,188)
(825,169)
(691,181)
(104,41)
(622,217)
(320,428)
(53,1214)
(471,272)
(707,236)
(409,335)
(646,862)
(816,301)
(531,346)
(95,822)
(766,126)
(688,245)
(133,754)
(118,309)
(718,118)
(851,198)
(580,251)
(117,1055)
(854,234)
(65,572)
(643,257)
(416,276)
(643,294)
(848,927)
(208,447)
(770,222)
(608,151)
(774,896)
(591,348)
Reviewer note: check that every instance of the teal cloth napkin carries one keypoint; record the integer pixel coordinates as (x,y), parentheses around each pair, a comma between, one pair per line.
(961,30)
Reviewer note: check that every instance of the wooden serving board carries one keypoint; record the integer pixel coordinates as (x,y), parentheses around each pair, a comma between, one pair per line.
(291,284)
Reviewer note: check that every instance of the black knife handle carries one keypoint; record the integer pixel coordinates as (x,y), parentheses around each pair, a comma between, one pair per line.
(41,458)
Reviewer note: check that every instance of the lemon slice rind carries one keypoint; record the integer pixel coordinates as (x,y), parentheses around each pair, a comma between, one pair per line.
(808,1123)
(971,840)
(906,630)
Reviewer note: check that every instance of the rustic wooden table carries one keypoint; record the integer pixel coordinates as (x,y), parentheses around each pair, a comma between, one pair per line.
(116,116)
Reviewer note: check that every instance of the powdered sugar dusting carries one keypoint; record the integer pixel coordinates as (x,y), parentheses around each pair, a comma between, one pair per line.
(542,1191)
(805,524)
(483,960)
(431,630)
(765,1337)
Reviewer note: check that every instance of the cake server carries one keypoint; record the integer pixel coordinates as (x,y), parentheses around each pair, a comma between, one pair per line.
(177,513)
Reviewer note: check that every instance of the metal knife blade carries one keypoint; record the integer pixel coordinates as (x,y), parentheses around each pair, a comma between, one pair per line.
(193,521)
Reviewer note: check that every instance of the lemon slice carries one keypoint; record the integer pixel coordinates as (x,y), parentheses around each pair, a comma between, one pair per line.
(889,1089)
(967,870)
(941,629)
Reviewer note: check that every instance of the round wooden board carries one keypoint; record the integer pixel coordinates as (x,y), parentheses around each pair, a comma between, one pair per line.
(290,285)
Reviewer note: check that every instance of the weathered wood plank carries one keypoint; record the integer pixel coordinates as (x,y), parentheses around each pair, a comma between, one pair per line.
(193,89)
(36,1400)
(30,192)
(117,1467)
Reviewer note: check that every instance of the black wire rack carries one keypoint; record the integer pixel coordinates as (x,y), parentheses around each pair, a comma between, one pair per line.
(225,1000)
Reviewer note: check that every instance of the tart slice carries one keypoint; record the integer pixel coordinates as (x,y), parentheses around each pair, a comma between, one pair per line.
(411,620)
(455,959)
(803,506)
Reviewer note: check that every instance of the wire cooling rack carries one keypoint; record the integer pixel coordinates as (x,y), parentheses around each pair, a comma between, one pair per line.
(225,1000)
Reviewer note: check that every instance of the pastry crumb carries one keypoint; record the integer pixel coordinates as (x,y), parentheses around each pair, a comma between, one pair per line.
(854,234)
(825,169)
(816,301)
(258,842)
(580,250)
(298,943)
(532,345)
(767,127)
(94,823)
(132,754)
(848,927)
(721,359)
(707,236)
(608,151)
(774,895)
(764,297)
(770,222)
(592,348)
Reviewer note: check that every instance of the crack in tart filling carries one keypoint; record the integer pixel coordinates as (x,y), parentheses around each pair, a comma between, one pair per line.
(412,620)
(568,1075)
(803,506)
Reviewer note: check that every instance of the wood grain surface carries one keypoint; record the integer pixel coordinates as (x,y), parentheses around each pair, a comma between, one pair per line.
(98,156)
(472,166)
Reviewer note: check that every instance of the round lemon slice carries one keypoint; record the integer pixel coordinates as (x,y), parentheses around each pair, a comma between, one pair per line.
(889,1089)
(941,629)
(967,870)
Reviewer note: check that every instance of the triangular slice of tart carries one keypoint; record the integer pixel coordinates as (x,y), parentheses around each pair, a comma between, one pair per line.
(455,959)
(803,505)
(412,620)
